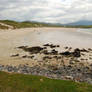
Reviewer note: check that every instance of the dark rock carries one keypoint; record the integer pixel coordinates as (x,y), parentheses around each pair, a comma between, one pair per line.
(54,52)
(79,70)
(66,47)
(67,53)
(57,57)
(89,49)
(15,55)
(45,48)
(57,46)
(77,49)
(22,47)
(9,68)
(70,48)
(31,57)
(24,56)
(46,57)
(46,45)
(52,46)
(45,52)
(84,50)
(76,53)
(32,50)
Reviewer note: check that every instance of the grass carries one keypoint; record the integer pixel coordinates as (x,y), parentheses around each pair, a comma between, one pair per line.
(30,83)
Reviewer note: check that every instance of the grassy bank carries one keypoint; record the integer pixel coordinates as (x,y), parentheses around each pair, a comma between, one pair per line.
(29,83)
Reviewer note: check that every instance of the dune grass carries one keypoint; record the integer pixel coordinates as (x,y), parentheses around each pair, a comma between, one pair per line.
(25,24)
(3,27)
(30,83)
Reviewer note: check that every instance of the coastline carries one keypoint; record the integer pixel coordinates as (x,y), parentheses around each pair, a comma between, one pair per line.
(74,46)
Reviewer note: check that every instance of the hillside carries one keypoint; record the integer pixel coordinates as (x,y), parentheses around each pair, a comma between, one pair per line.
(24,24)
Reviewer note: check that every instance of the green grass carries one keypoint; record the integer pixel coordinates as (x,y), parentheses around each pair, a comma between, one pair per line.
(30,83)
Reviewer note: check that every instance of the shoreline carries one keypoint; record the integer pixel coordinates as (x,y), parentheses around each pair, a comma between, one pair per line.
(50,52)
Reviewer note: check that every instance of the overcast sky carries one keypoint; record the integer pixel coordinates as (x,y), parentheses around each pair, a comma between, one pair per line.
(58,11)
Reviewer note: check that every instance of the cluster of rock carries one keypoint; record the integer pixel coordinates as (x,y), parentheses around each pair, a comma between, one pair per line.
(38,49)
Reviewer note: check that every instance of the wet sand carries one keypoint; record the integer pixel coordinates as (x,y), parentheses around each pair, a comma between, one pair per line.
(10,39)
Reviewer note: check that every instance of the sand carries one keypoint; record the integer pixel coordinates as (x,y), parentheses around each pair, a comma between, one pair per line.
(10,39)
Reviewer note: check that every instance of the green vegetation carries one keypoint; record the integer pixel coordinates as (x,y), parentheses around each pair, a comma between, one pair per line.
(80,26)
(3,27)
(25,24)
(30,83)
(28,24)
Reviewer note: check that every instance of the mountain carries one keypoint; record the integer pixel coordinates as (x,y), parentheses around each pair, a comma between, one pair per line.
(81,22)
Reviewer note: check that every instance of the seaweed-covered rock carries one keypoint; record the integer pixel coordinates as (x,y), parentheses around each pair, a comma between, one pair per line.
(76,53)
(32,50)
(15,55)
(66,53)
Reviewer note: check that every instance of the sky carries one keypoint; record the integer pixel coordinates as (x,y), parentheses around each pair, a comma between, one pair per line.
(52,11)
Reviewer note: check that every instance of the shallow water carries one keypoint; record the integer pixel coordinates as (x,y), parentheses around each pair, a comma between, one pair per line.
(61,37)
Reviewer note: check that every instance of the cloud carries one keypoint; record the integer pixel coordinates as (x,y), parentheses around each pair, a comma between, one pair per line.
(58,11)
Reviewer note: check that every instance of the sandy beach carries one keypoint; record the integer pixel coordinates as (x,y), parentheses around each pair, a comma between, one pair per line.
(60,53)
(10,39)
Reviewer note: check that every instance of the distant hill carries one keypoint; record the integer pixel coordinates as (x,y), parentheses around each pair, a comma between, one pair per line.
(5,24)
(9,24)
(81,22)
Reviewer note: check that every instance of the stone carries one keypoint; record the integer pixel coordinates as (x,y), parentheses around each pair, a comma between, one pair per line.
(72,62)
(69,77)
(54,52)
(16,55)
(66,53)
(24,56)
(32,50)
(76,53)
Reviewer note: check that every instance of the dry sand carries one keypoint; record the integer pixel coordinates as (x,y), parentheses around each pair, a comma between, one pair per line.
(10,39)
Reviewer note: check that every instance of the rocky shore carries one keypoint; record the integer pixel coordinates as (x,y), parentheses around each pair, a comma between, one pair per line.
(70,64)
(75,73)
